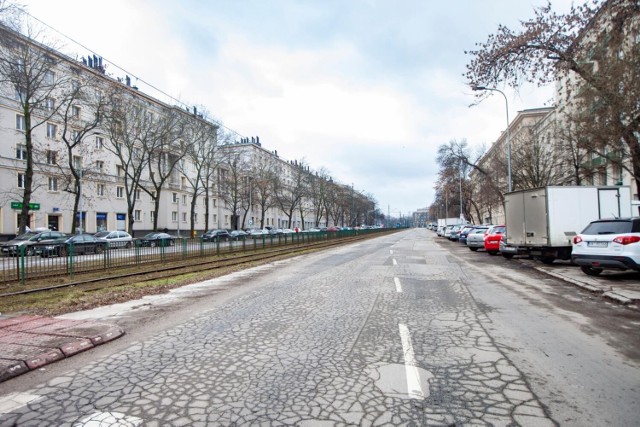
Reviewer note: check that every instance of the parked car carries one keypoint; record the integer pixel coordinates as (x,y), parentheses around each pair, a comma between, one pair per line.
(608,244)
(31,240)
(462,237)
(238,235)
(333,229)
(116,238)
(276,232)
(215,236)
(156,239)
(492,239)
(258,233)
(77,244)
(455,232)
(475,238)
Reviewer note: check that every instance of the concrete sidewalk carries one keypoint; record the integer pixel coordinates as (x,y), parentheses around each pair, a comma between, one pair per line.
(625,292)
(30,342)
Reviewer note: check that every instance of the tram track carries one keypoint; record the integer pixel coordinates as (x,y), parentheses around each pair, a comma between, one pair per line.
(172,269)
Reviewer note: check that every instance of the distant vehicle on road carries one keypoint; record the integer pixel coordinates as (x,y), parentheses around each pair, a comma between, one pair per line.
(78,244)
(238,235)
(116,238)
(31,242)
(157,239)
(216,235)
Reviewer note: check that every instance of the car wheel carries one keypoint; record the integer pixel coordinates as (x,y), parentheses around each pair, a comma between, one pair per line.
(99,249)
(127,245)
(30,251)
(152,244)
(507,256)
(547,259)
(171,243)
(492,252)
(63,251)
(471,248)
(590,271)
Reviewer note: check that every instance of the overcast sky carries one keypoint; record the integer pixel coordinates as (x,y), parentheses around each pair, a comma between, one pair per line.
(366,89)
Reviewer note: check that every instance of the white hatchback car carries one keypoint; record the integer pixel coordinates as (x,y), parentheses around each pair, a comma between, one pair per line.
(116,238)
(608,244)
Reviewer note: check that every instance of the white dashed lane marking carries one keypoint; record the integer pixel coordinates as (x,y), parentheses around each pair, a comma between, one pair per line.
(411,370)
(398,284)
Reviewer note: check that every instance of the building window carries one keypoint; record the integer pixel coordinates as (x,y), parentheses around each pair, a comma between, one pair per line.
(184,199)
(50,104)
(53,184)
(21,152)
(20,180)
(137,214)
(20,122)
(75,111)
(77,162)
(52,157)
(120,192)
(152,216)
(215,203)
(119,171)
(215,217)
(49,77)
(52,130)
(99,166)
(138,194)
(100,189)
(174,216)
(174,197)
(184,217)
(75,136)
(99,142)
(183,182)
(195,217)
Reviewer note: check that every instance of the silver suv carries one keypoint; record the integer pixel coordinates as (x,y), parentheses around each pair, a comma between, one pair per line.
(608,244)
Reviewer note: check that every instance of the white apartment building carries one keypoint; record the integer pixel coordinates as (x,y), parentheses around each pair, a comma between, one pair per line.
(60,120)
(138,163)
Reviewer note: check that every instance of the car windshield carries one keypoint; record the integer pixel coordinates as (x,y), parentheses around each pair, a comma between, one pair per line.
(610,227)
(102,234)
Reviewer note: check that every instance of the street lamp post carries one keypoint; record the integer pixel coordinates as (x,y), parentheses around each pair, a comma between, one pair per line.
(508,140)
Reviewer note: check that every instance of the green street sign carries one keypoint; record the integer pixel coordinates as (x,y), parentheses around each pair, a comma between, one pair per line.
(32,206)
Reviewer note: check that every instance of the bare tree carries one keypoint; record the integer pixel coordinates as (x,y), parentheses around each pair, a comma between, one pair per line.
(290,189)
(534,162)
(234,186)
(28,76)
(79,113)
(130,129)
(201,138)
(261,186)
(593,48)
(162,144)
(319,187)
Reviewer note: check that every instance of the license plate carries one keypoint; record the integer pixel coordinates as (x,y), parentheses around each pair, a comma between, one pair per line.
(597,244)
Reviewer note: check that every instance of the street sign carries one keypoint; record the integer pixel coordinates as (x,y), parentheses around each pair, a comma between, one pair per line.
(32,206)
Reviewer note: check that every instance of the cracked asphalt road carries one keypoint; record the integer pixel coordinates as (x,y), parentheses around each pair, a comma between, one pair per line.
(392,331)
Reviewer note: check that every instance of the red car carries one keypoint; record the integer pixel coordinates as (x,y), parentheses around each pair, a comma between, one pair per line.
(492,238)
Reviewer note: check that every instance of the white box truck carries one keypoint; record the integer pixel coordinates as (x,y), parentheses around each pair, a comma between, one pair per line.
(443,222)
(541,222)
